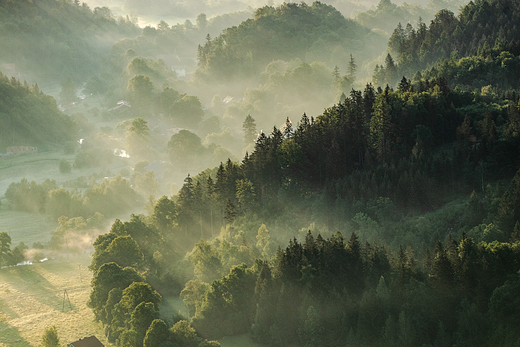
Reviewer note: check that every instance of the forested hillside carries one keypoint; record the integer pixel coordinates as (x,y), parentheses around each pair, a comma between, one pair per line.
(387,215)
(28,117)
(365,167)
(309,32)
(479,26)
(53,40)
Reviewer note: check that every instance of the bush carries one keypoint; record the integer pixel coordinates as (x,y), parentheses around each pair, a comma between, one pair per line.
(65,166)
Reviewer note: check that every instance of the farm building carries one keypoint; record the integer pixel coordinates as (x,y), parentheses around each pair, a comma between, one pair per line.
(91,341)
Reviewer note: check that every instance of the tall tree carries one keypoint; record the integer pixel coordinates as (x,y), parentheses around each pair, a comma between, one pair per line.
(138,138)
(140,93)
(352,68)
(249,127)
(157,334)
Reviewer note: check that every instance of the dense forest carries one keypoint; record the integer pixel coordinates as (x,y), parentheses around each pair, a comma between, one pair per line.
(286,32)
(365,166)
(391,217)
(479,27)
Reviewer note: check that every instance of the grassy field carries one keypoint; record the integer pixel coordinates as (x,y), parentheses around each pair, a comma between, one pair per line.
(31,227)
(32,298)
(45,165)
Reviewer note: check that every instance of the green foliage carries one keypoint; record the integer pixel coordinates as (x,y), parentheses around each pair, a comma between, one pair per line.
(50,337)
(249,128)
(5,247)
(183,334)
(138,138)
(93,157)
(106,278)
(29,196)
(386,14)
(164,213)
(129,338)
(141,319)
(226,309)
(471,35)
(291,30)
(65,166)
(30,118)
(140,93)
(185,146)
(124,251)
(156,335)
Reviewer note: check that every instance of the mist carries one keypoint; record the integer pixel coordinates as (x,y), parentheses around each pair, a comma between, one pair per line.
(266,173)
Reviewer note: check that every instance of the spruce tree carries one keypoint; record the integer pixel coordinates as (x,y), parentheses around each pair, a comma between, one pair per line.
(249,128)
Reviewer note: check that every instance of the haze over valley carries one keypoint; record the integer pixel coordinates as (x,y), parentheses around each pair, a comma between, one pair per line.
(251,173)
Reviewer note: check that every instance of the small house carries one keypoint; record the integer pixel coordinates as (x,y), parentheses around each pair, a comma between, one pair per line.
(180,70)
(91,341)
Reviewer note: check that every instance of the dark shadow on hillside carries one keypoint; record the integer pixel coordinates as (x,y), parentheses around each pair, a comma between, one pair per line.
(10,336)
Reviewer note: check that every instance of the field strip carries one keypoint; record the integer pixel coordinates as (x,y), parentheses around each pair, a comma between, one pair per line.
(46,292)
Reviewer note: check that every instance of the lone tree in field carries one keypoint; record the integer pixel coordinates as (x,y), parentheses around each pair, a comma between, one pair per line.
(50,337)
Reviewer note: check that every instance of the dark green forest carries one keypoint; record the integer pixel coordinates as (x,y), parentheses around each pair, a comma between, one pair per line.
(479,28)
(377,168)
(287,32)
(390,218)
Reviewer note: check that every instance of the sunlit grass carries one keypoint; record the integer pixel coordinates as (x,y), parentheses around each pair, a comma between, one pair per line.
(32,298)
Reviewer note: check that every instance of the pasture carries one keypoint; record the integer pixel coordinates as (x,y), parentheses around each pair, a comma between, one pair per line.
(32,298)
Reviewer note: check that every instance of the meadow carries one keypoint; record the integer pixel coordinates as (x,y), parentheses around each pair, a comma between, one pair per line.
(55,292)
(32,296)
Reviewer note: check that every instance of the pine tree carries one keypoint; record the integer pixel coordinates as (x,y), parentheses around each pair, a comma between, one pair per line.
(230,212)
(390,70)
(352,68)
(249,128)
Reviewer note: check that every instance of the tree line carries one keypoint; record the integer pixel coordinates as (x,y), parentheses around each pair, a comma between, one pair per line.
(480,26)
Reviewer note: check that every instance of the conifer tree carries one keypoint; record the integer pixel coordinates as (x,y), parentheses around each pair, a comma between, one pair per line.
(249,128)
(352,68)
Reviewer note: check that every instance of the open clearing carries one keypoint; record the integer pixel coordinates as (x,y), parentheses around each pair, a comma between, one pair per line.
(32,298)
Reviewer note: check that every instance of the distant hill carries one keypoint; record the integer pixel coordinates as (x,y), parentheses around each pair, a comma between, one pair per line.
(30,118)
(51,39)
(316,32)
